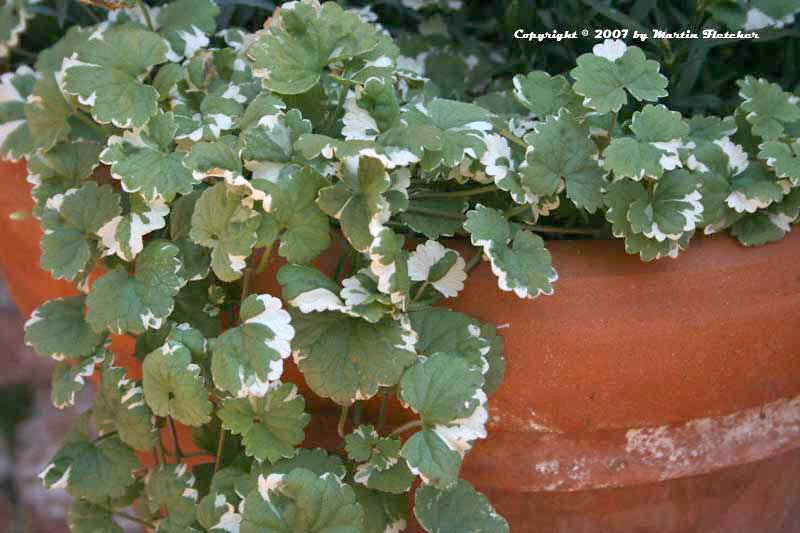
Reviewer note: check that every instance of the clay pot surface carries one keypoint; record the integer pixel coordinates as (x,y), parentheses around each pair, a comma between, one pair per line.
(639,397)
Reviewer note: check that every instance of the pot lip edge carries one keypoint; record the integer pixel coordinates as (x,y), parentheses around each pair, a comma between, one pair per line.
(639,456)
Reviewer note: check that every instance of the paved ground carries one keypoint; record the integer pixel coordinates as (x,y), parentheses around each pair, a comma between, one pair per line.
(30,432)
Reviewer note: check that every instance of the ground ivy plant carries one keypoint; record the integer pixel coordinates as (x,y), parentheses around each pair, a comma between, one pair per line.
(172,164)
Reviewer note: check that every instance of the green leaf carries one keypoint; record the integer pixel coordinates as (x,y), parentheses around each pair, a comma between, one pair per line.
(15,136)
(714,190)
(434,227)
(124,235)
(445,390)
(70,222)
(195,260)
(357,200)
(194,304)
(658,135)
(245,359)
(50,60)
(390,266)
(48,114)
(382,512)
(458,509)
(444,269)
(106,77)
(86,517)
(364,445)
(223,222)
(70,378)
(174,385)
(561,151)
(119,406)
(753,189)
(447,130)
(397,479)
(271,425)
(759,229)
(220,158)
(618,198)
(185,23)
(303,227)
(316,460)
(767,107)
(442,388)
(302,40)
(269,144)
(360,293)
(14,17)
(146,163)
(493,377)
(94,471)
(58,329)
(181,210)
(308,289)
(172,487)
(546,95)
(265,107)
(604,76)
(674,208)
(166,79)
(443,330)
(217,113)
(380,466)
(371,109)
(132,304)
(784,158)
(526,267)
(61,168)
(429,457)
(301,501)
(215,512)
(346,358)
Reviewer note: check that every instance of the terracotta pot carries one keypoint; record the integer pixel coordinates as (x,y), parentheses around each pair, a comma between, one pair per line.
(639,398)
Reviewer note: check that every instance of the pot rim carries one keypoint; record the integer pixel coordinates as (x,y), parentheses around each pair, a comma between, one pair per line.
(635,456)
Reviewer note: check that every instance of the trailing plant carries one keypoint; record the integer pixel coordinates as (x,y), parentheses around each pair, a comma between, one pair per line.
(172,164)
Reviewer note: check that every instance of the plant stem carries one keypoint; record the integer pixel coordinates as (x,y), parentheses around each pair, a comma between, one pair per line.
(178,452)
(405,427)
(264,261)
(249,271)
(220,444)
(514,139)
(613,124)
(516,210)
(419,292)
(342,420)
(158,453)
(382,412)
(146,13)
(245,285)
(132,518)
(456,194)
(105,436)
(339,105)
(473,261)
(565,231)
(434,213)
(357,414)
(89,121)
(91,13)
(337,272)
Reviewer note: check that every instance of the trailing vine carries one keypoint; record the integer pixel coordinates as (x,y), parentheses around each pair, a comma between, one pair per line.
(172,164)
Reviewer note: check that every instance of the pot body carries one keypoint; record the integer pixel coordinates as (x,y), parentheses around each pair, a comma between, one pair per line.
(658,397)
